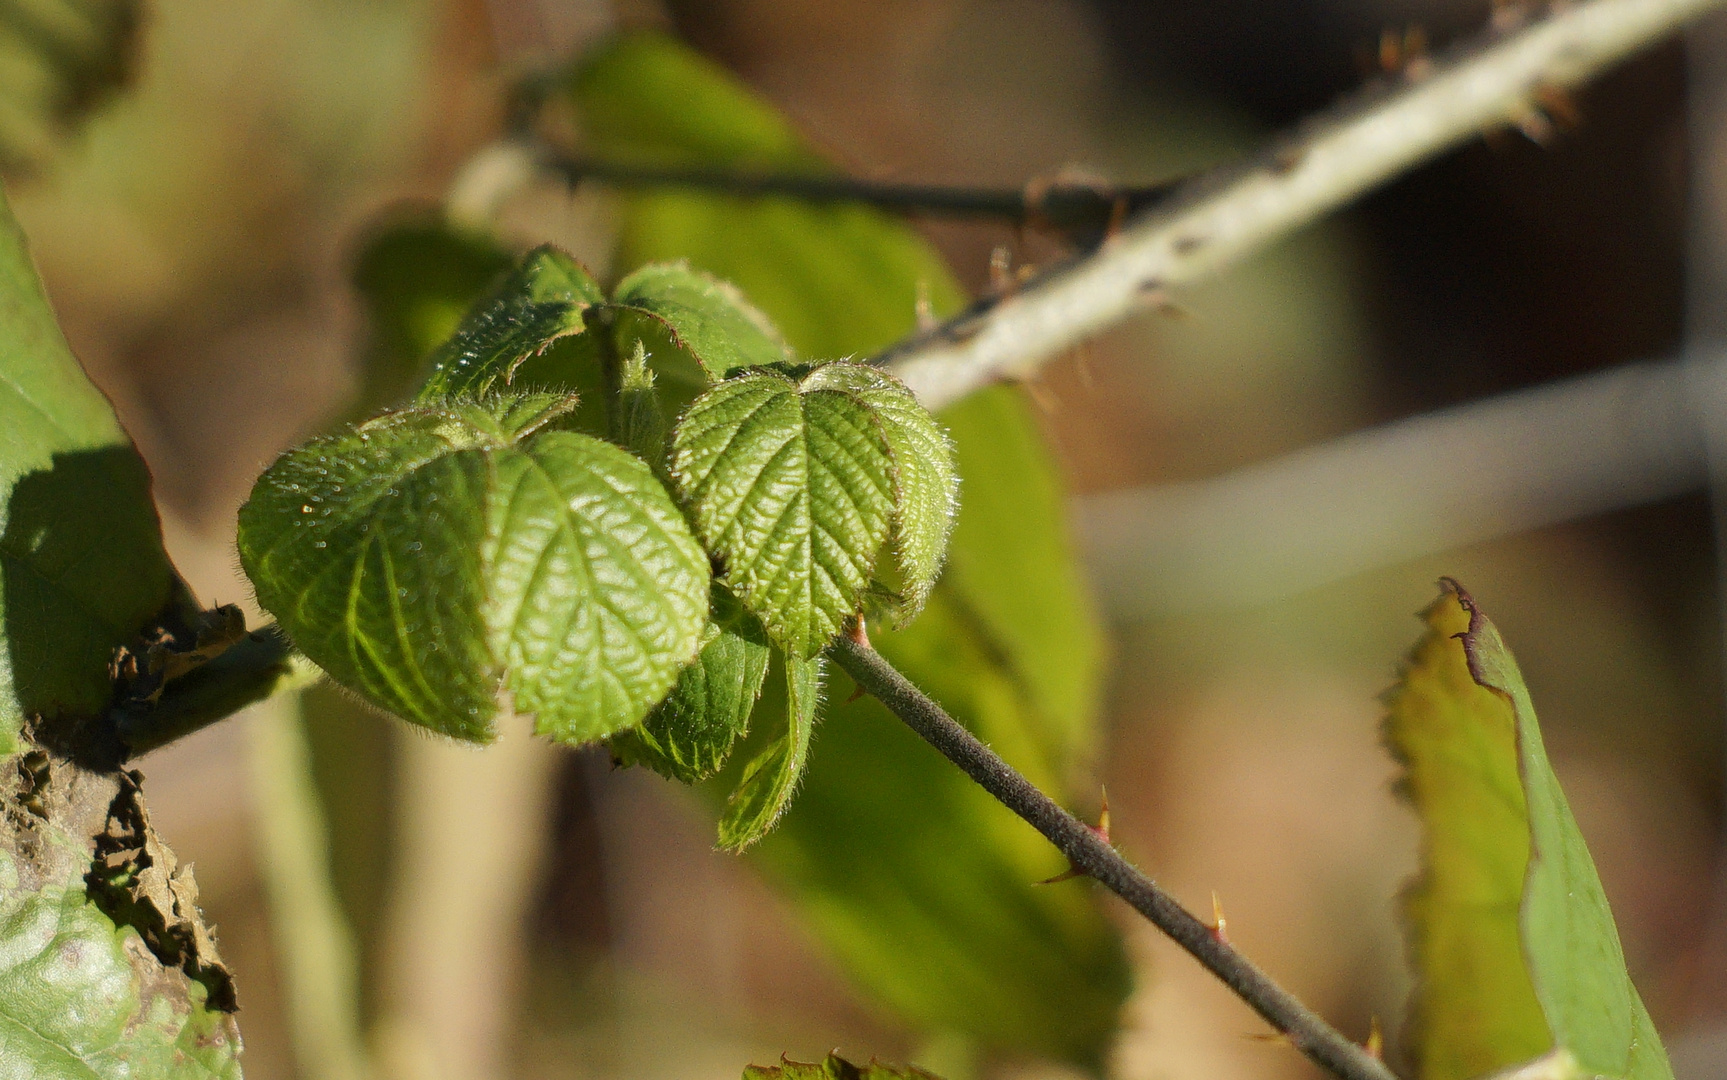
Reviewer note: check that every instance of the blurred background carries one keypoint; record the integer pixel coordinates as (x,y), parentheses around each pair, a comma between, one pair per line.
(198,236)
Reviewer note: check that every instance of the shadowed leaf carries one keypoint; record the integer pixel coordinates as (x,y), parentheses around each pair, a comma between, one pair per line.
(689,735)
(771,777)
(707,317)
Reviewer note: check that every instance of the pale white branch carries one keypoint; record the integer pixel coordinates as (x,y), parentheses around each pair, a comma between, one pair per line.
(1433,483)
(1217,219)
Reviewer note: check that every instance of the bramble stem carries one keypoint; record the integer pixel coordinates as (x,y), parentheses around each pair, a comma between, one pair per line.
(1092,855)
(1215,220)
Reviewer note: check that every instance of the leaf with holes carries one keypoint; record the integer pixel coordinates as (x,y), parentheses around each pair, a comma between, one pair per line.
(834,1067)
(690,735)
(434,557)
(541,301)
(771,777)
(790,482)
(926,487)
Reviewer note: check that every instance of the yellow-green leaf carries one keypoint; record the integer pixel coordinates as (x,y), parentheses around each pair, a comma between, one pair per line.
(1515,948)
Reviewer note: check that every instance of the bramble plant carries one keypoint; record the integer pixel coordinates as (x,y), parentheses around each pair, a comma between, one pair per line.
(648,519)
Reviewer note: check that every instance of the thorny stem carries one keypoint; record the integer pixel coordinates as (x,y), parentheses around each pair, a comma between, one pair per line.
(1219,218)
(1092,855)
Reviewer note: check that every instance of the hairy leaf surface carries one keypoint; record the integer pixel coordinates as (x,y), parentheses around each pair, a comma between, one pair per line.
(690,734)
(834,1067)
(1515,947)
(82,568)
(1012,645)
(926,487)
(772,776)
(790,483)
(540,301)
(433,557)
(707,317)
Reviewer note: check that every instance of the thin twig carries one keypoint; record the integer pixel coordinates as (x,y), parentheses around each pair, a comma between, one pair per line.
(1217,219)
(1091,854)
(1067,206)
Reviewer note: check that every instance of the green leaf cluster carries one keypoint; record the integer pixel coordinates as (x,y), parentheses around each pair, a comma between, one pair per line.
(1515,950)
(1008,641)
(527,533)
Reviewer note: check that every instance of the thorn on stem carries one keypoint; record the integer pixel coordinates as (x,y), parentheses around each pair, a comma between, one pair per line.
(1375,1045)
(1100,830)
(926,320)
(1219,925)
(857,631)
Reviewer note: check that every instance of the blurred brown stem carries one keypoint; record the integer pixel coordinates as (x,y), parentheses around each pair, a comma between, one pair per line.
(1093,856)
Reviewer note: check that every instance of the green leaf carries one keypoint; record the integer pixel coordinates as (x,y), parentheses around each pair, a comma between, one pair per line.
(540,301)
(1514,944)
(926,487)
(707,317)
(1010,642)
(432,557)
(417,279)
(834,1067)
(771,778)
(690,734)
(82,569)
(790,484)
(59,61)
(106,968)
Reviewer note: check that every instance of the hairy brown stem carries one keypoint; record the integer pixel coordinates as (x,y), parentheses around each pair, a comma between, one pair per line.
(1092,855)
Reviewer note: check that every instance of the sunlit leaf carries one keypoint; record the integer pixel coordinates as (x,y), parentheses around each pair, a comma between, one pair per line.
(707,317)
(834,1067)
(539,302)
(772,776)
(926,487)
(434,557)
(790,484)
(1515,947)
(691,733)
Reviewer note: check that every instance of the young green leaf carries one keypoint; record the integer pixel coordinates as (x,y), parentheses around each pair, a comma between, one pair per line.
(541,301)
(1515,946)
(690,734)
(771,778)
(707,317)
(834,1067)
(926,487)
(790,484)
(82,568)
(435,556)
